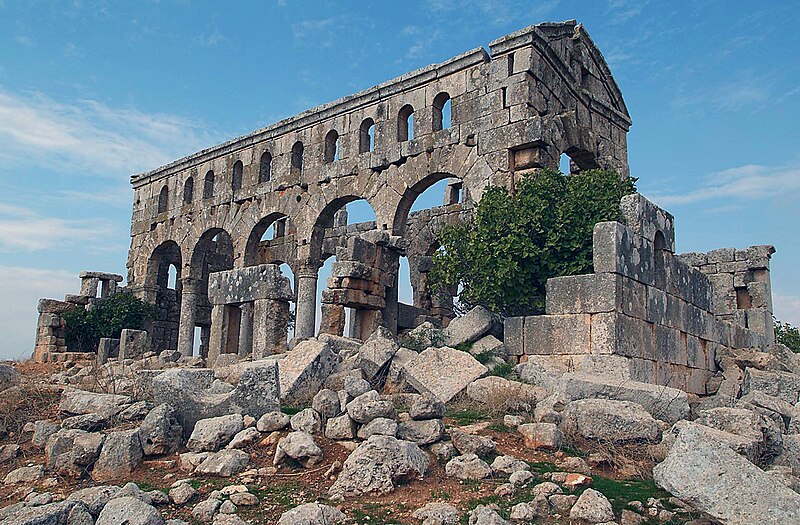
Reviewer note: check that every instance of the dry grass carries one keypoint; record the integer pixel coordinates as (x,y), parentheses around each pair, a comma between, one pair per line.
(33,399)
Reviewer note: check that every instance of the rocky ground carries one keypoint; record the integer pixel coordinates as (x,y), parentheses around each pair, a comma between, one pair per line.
(400,432)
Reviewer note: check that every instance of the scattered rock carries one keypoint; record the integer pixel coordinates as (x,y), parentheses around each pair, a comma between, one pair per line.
(299,446)
(341,427)
(245,438)
(225,463)
(182,493)
(119,457)
(468,466)
(312,514)
(129,510)
(471,444)
(443,372)
(206,509)
(546,436)
(470,327)
(272,421)
(307,420)
(423,432)
(326,403)
(592,507)
(24,475)
(508,465)
(436,514)
(610,421)
(381,426)
(427,407)
(303,370)
(214,433)
(483,515)
(160,431)
(369,406)
(77,402)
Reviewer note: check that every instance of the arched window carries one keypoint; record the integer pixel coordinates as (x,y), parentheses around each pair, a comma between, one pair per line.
(236,179)
(265,167)
(366,136)
(441,112)
(331,146)
(405,123)
(208,185)
(188,190)
(163,199)
(297,157)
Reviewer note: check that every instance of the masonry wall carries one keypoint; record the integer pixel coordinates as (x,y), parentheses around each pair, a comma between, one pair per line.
(643,303)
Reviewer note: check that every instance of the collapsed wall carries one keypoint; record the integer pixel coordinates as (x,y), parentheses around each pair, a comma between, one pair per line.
(644,312)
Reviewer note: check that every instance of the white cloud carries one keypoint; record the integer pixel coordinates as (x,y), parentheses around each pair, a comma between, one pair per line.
(742,183)
(20,291)
(24,229)
(787,308)
(93,137)
(624,10)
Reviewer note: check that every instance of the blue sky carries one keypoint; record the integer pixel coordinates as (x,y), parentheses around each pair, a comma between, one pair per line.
(91,92)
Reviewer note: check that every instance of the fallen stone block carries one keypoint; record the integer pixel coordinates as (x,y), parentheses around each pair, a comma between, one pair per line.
(664,403)
(714,479)
(303,370)
(443,372)
(299,446)
(79,402)
(610,421)
(778,384)
(751,426)
(468,466)
(545,436)
(312,514)
(121,454)
(470,327)
(225,463)
(213,433)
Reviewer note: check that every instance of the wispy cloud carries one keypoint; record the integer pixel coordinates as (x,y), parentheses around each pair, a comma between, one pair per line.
(93,137)
(742,183)
(25,41)
(25,229)
(623,10)
(210,39)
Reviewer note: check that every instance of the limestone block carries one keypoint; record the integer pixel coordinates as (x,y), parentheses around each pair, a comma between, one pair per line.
(119,457)
(557,334)
(664,403)
(619,334)
(712,478)
(610,421)
(513,335)
(470,327)
(241,285)
(777,384)
(303,370)
(106,348)
(443,372)
(647,219)
(133,344)
(595,293)
(617,249)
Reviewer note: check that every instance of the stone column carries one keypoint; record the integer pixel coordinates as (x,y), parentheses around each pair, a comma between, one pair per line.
(270,324)
(188,319)
(333,319)
(306,306)
(246,329)
(219,333)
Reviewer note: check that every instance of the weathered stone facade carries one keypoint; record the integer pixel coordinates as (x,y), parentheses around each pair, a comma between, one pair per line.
(539,93)
(646,305)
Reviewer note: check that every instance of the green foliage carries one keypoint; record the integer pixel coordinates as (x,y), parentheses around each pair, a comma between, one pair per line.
(788,336)
(517,240)
(422,339)
(107,318)
(466,416)
(502,370)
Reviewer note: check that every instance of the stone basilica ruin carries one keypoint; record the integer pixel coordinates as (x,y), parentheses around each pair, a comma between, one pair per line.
(539,93)
(656,363)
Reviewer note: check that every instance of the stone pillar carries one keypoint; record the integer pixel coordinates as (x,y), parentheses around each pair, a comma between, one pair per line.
(89,286)
(246,329)
(270,326)
(219,333)
(391,259)
(333,319)
(188,319)
(306,306)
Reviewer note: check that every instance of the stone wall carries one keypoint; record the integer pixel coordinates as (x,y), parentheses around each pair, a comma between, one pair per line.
(643,304)
(536,94)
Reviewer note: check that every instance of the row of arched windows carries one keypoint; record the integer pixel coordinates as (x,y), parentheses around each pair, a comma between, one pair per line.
(366,142)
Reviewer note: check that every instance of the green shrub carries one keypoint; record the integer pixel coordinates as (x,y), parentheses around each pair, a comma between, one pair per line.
(107,318)
(502,258)
(788,335)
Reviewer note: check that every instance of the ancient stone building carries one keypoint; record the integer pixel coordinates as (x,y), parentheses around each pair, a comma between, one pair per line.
(536,94)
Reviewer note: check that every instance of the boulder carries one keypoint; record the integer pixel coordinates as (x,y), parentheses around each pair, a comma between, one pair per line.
(790,457)
(468,466)
(87,422)
(714,479)
(225,463)
(9,376)
(375,355)
(303,370)
(467,443)
(664,403)
(750,425)
(423,432)
(504,394)
(58,452)
(326,403)
(312,514)
(443,372)
(377,465)
(379,426)
(160,431)
(610,421)
(299,446)
(272,421)
(62,512)
(778,384)
(307,420)
(42,430)
(78,402)
(593,507)
(86,448)
(436,514)
(214,433)
(182,493)
(470,327)
(94,498)
(427,407)
(747,447)
(546,436)
(483,515)
(244,438)
(26,475)
(368,406)
(206,510)
(340,427)
(129,510)
(508,465)
(119,457)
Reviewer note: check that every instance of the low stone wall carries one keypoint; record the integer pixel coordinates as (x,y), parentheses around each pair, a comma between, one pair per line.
(642,303)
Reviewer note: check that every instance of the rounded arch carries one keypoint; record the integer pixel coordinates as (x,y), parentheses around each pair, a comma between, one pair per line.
(166,254)
(441,111)
(405,123)
(325,219)
(163,199)
(297,157)
(237,176)
(256,234)
(410,195)
(331,152)
(366,135)
(208,185)
(188,190)
(212,252)
(265,167)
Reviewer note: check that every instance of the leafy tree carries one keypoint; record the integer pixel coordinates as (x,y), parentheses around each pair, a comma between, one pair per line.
(107,318)
(502,258)
(788,336)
